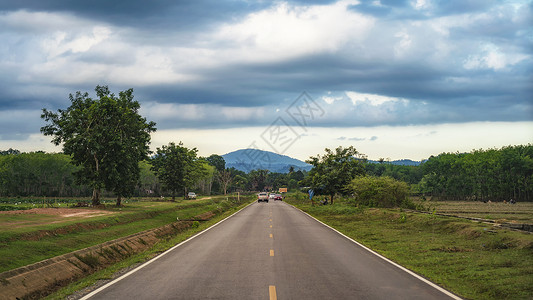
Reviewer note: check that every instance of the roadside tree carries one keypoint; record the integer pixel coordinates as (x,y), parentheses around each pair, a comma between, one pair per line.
(258,179)
(332,172)
(217,161)
(178,167)
(225,179)
(106,137)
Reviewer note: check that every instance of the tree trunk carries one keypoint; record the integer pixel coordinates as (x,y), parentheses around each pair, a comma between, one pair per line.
(96,197)
(119,201)
(332,198)
(96,191)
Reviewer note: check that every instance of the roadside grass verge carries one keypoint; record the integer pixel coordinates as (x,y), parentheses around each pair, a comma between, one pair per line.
(51,236)
(471,259)
(133,261)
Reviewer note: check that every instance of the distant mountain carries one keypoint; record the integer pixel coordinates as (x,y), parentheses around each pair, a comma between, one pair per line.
(401,162)
(252,159)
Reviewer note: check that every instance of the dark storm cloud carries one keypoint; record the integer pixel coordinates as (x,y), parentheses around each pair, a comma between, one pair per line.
(164,15)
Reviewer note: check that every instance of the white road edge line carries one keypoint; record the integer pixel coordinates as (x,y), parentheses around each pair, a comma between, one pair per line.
(88,296)
(446,292)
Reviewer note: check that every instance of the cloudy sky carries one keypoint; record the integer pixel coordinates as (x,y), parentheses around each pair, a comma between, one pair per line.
(397,79)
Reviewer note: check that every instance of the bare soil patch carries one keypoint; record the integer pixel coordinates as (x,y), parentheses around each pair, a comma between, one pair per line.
(63,212)
(55,215)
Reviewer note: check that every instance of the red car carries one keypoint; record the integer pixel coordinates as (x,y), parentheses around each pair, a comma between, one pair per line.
(278,197)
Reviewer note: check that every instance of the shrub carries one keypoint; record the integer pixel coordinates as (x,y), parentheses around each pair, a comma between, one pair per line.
(378,191)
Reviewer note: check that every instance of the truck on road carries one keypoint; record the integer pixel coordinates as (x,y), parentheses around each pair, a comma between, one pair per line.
(262,197)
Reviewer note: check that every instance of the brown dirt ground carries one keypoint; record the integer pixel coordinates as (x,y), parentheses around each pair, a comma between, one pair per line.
(63,212)
(58,215)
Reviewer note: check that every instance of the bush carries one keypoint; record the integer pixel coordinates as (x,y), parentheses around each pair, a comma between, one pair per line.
(299,196)
(378,191)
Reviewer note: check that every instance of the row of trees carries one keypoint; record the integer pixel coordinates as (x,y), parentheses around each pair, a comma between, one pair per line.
(40,174)
(171,171)
(494,174)
(408,174)
(480,175)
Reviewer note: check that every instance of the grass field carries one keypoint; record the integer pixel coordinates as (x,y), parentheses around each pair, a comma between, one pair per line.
(472,259)
(29,237)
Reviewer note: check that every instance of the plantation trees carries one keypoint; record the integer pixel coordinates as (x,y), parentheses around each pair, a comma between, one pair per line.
(106,137)
(38,174)
(332,172)
(493,174)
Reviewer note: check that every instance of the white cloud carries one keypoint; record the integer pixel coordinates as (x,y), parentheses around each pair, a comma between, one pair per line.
(421,4)
(402,46)
(330,99)
(60,42)
(372,99)
(202,113)
(285,31)
(491,57)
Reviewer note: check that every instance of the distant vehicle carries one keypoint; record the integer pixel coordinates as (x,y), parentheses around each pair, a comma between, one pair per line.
(262,197)
(191,195)
(271,196)
(278,197)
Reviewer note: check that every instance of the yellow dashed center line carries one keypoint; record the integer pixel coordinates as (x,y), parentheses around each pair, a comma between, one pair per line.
(271,252)
(270,226)
(272,292)
(271,235)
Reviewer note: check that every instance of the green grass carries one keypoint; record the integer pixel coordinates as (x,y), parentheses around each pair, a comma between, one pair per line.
(469,258)
(43,239)
(139,258)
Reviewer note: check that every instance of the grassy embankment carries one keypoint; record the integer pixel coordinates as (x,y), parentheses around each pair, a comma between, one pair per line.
(29,238)
(472,259)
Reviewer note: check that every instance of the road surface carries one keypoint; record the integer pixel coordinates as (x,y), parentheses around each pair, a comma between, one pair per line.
(269,251)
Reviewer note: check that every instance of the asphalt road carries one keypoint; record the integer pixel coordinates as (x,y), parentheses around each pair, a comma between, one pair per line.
(269,251)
